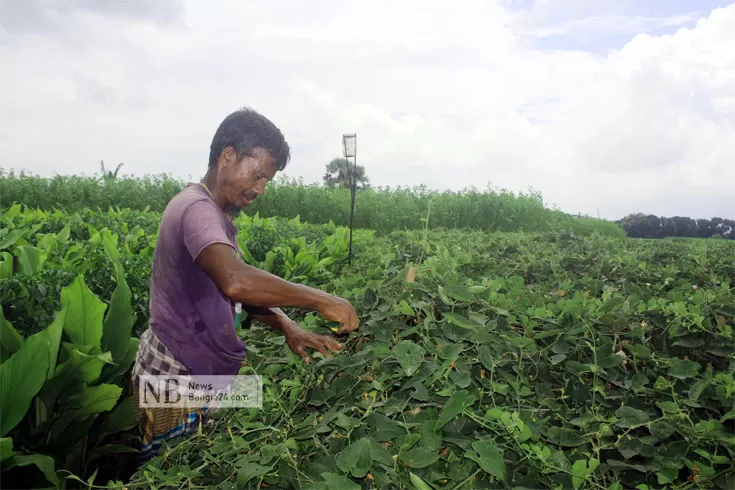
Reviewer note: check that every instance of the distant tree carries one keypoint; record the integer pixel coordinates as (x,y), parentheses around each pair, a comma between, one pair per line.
(640,225)
(339,172)
(685,226)
(668,227)
(704,228)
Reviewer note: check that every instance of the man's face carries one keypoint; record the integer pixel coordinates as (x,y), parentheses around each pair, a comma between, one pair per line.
(242,182)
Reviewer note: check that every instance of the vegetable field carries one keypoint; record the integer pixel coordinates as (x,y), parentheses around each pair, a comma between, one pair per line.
(486,209)
(512,360)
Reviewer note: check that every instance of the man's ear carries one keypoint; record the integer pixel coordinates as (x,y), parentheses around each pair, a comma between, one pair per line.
(229,156)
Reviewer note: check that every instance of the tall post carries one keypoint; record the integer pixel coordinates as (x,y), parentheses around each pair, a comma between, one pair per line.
(353,182)
(349,142)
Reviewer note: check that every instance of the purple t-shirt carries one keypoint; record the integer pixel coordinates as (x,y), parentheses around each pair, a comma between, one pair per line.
(189,313)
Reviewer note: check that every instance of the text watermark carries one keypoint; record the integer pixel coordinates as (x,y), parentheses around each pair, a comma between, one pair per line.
(176,391)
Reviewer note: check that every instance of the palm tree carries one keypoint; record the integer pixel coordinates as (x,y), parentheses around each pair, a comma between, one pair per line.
(108,174)
(339,171)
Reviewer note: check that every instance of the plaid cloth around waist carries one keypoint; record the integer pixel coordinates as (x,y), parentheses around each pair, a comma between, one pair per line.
(160,424)
(155,359)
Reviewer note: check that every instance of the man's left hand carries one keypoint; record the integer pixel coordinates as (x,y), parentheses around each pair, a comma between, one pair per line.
(299,340)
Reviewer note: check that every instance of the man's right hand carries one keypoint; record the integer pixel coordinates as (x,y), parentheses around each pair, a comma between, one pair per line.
(339,310)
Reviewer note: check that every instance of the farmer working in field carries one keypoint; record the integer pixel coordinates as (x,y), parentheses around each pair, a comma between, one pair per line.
(199,277)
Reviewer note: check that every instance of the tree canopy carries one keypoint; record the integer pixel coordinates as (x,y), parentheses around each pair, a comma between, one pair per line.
(339,172)
(641,225)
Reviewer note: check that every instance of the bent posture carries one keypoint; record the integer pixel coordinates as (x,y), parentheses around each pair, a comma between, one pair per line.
(199,278)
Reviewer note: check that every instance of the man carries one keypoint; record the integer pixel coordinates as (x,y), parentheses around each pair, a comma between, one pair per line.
(198,278)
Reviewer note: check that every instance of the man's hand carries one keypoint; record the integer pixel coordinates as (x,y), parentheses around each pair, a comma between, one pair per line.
(339,310)
(299,340)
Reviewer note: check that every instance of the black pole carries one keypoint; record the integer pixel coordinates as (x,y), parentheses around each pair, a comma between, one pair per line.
(353,189)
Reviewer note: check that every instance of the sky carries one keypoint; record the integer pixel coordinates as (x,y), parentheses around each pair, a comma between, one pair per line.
(605,107)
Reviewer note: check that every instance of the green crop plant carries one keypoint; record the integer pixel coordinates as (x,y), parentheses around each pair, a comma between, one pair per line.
(381,209)
(536,359)
(62,402)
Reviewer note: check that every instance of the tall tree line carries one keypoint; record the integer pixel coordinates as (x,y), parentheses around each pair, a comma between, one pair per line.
(641,225)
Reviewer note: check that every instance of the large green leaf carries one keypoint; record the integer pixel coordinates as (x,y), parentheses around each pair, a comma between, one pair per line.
(630,417)
(84,313)
(384,428)
(461,321)
(71,431)
(54,332)
(333,481)
(6,265)
(63,235)
(579,473)
(418,482)
(78,368)
(249,470)
(29,259)
(110,246)
(380,454)
(6,448)
(409,355)
(9,240)
(118,323)
(457,404)
(83,367)
(566,437)
(120,418)
(490,459)
(683,368)
(459,293)
(94,399)
(21,378)
(10,339)
(697,388)
(419,457)
(46,464)
(431,438)
(356,458)
(56,426)
(111,372)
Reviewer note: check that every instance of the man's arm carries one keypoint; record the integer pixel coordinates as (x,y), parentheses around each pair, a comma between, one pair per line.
(249,285)
(273,317)
(256,288)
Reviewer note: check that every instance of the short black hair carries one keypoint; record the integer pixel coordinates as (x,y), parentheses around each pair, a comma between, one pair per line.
(244,130)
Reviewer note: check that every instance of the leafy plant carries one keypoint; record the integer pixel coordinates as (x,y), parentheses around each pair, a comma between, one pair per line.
(556,359)
(61,394)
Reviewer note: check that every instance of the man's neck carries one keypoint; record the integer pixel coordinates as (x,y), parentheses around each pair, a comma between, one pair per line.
(210,181)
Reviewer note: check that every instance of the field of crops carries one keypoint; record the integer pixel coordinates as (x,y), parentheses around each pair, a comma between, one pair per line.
(514,360)
(487,209)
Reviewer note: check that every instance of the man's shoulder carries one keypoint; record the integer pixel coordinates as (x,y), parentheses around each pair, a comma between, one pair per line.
(190,195)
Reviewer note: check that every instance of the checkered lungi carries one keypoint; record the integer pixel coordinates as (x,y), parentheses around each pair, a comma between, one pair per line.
(159,424)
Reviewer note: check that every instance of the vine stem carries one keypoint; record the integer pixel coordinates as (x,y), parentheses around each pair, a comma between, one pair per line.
(461,484)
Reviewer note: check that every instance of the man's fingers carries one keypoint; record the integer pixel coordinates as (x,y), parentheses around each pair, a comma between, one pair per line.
(332,344)
(301,352)
(325,344)
(316,344)
(349,326)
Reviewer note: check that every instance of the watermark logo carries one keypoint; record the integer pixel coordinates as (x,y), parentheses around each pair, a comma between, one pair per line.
(175,391)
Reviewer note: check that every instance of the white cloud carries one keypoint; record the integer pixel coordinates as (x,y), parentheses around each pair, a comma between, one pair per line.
(438,95)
